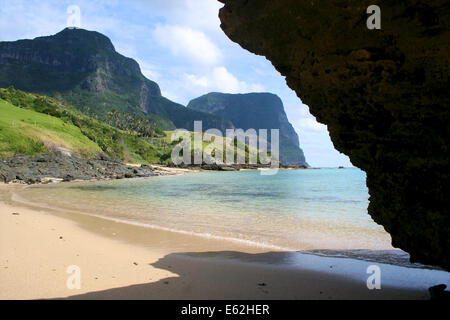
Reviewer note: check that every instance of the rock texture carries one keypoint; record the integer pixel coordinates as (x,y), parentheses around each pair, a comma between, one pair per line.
(382,93)
(255,111)
(59,166)
(72,57)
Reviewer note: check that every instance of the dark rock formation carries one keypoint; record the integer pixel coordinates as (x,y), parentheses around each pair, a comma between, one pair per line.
(71,58)
(384,95)
(233,167)
(255,111)
(42,168)
(438,293)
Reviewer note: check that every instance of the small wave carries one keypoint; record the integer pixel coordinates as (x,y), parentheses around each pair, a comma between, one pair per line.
(393,257)
(329,199)
(95,188)
(16,198)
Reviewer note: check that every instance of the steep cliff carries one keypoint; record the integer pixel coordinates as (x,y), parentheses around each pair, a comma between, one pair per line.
(382,93)
(83,69)
(255,111)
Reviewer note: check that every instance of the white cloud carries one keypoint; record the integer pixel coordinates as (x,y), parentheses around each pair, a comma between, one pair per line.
(201,81)
(301,118)
(126,49)
(188,86)
(311,124)
(226,80)
(149,71)
(20,20)
(187,43)
(198,14)
(220,79)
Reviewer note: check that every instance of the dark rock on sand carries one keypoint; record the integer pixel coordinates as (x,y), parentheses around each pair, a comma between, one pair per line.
(225,167)
(36,169)
(438,292)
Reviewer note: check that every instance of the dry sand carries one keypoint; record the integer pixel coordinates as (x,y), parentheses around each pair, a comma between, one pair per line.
(119,261)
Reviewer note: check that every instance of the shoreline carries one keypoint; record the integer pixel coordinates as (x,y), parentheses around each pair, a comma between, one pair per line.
(62,167)
(132,262)
(394,257)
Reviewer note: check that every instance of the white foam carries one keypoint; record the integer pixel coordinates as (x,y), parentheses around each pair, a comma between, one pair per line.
(15,197)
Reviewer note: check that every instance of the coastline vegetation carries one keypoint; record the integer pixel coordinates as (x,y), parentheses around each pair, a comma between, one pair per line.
(33,124)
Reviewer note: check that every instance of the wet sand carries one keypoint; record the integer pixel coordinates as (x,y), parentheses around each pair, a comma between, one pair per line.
(120,261)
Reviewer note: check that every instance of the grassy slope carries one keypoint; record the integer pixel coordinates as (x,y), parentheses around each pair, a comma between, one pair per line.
(87,138)
(29,132)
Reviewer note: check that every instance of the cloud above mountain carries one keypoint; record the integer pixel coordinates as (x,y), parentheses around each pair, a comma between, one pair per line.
(220,79)
(187,43)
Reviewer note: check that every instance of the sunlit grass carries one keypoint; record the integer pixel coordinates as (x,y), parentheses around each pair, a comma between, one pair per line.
(29,132)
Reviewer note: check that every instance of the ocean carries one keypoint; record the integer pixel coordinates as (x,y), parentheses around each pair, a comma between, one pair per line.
(323,211)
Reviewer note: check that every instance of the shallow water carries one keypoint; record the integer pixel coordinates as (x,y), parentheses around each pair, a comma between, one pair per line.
(294,210)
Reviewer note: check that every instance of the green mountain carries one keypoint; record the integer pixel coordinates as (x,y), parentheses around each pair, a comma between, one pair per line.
(257,111)
(83,69)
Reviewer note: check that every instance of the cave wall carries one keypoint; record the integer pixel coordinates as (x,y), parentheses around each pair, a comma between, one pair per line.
(384,95)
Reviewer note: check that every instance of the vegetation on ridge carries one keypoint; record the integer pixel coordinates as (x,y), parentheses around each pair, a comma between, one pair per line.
(127,144)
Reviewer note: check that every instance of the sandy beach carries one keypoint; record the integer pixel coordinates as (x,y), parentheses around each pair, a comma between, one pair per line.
(120,261)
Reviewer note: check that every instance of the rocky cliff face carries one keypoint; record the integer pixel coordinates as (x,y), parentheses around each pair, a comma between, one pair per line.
(255,111)
(70,58)
(83,69)
(382,93)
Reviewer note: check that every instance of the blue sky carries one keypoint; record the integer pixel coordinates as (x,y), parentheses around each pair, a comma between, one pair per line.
(179,44)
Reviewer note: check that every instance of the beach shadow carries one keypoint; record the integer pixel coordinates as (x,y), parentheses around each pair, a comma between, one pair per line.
(229,275)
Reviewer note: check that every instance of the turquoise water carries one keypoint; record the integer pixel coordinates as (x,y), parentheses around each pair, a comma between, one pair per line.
(322,209)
